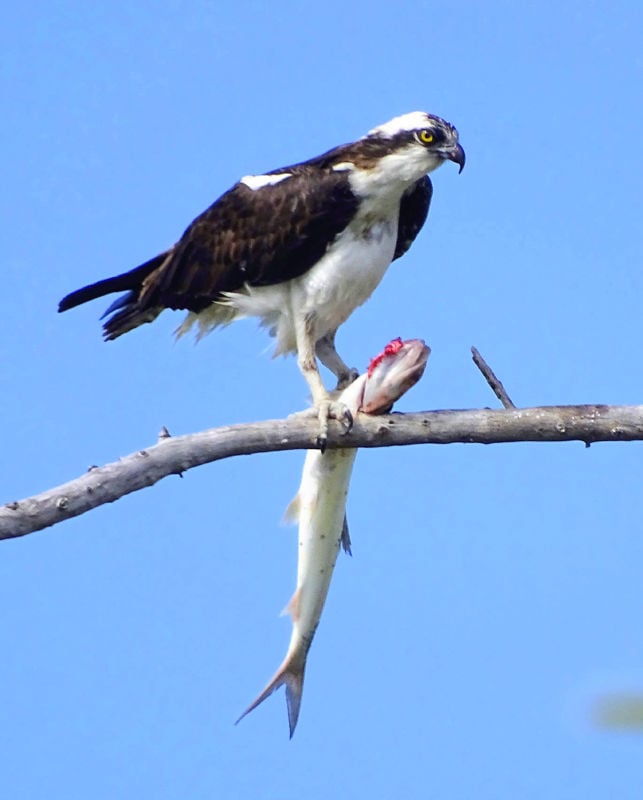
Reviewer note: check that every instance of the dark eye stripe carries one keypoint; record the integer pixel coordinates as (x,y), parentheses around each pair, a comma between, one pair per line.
(379,145)
(438,136)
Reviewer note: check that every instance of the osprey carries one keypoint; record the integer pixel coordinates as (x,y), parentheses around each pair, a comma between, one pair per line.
(300,247)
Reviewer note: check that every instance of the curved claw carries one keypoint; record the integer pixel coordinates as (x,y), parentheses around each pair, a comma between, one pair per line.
(331,409)
(347,419)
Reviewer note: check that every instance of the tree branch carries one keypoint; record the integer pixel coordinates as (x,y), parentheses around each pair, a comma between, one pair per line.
(175,455)
(490,376)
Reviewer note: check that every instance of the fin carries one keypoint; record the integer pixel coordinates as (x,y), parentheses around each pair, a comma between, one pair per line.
(291,514)
(345,538)
(291,676)
(292,606)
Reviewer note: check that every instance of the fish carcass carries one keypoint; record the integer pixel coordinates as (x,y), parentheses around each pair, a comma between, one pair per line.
(320,508)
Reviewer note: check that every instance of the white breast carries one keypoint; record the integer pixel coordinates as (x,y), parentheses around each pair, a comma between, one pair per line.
(347,275)
(341,281)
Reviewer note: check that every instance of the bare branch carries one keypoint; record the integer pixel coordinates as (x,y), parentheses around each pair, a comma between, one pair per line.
(490,376)
(176,454)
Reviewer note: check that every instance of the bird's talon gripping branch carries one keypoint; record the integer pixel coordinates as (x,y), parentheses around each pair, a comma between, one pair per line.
(331,409)
(323,412)
(347,419)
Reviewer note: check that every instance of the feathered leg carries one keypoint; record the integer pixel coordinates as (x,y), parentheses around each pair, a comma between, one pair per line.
(325,406)
(330,358)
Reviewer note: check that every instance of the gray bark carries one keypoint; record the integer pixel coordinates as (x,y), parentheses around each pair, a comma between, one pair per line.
(175,455)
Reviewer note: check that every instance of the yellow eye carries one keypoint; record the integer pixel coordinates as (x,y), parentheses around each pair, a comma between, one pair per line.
(425,136)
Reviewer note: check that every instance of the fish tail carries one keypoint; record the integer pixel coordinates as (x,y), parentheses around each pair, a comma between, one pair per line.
(291,675)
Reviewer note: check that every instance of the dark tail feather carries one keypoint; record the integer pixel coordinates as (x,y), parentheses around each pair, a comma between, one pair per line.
(131,316)
(128,281)
(292,676)
(120,283)
(130,313)
(121,302)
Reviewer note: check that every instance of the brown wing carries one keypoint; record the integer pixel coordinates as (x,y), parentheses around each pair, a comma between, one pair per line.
(259,237)
(414,208)
(255,236)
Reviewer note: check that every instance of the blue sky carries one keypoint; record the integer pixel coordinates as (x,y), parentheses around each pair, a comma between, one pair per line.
(494,592)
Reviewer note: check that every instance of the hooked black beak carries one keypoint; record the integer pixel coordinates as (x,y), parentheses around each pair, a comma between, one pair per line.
(454,153)
(457,155)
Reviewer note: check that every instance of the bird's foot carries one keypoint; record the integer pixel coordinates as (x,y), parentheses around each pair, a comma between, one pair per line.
(331,409)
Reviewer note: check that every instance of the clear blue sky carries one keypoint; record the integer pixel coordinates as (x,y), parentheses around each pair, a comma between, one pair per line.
(494,592)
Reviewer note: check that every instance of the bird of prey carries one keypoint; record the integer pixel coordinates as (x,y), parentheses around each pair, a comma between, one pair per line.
(300,247)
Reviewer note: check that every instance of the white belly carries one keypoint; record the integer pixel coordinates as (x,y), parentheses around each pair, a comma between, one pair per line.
(346,276)
(340,282)
(343,279)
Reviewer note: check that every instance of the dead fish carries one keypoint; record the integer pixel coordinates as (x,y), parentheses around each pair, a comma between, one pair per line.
(320,508)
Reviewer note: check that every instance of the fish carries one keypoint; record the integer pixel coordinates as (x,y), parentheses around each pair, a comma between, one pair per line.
(320,509)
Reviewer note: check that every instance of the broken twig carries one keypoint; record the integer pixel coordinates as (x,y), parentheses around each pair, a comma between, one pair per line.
(489,375)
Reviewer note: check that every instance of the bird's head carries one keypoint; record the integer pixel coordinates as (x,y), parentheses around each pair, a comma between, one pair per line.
(424,139)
